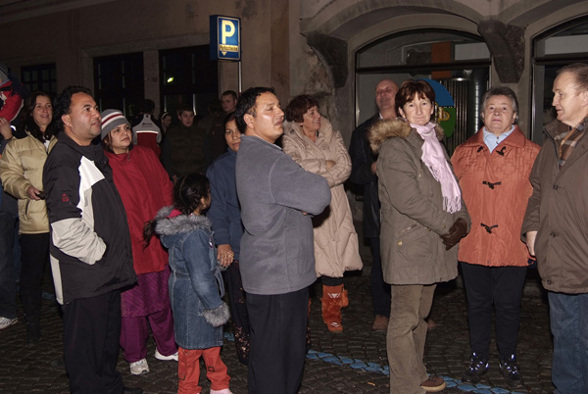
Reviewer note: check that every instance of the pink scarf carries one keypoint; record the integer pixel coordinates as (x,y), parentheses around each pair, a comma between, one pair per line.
(434,158)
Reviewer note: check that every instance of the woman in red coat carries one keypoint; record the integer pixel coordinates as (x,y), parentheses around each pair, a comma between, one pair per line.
(144,187)
(493,168)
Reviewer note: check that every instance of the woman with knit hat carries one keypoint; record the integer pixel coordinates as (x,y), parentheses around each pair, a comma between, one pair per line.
(144,187)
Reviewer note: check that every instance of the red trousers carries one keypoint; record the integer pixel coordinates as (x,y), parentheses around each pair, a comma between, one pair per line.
(189,370)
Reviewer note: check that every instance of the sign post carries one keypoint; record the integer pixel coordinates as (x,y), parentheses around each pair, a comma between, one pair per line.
(225,40)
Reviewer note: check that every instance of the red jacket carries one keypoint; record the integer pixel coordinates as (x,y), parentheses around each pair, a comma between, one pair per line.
(495,187)
(145,188)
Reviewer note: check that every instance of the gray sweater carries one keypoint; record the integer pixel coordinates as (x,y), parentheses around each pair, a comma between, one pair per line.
(277,254)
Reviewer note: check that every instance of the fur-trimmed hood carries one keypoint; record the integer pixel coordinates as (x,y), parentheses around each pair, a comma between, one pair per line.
(385,129)
(179,224)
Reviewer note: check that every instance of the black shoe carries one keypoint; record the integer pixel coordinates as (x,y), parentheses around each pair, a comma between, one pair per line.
(510,371)
(476,370)
(132,390)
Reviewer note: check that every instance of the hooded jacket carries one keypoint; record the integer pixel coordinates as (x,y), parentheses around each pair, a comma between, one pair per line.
(496,188)
(558,210)
(336,246)
(195,285)
(412,215)
(90,243)
(21,166)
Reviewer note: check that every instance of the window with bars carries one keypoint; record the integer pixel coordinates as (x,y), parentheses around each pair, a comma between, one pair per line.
(40,77)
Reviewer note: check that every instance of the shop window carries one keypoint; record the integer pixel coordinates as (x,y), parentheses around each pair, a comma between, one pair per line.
(188,77)
(560,46)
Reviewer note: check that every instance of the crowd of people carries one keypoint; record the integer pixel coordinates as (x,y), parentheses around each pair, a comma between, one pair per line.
(145,224)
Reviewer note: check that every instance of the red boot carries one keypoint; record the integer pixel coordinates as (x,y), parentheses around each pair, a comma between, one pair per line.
(331,307)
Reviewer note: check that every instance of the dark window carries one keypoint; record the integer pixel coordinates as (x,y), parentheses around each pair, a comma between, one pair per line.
(40,77)
(118,82)
(189,77)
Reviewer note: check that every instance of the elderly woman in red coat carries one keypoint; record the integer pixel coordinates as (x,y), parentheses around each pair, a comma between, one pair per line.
(493,168)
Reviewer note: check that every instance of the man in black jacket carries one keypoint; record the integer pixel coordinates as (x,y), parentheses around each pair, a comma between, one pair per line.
(91,255)
(363,172)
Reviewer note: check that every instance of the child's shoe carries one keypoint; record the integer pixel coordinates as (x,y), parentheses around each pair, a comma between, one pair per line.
(139,367)
(223,391)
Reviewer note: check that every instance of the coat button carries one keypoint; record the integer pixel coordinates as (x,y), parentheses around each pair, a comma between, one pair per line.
(399,243)
(552,234)
(555,187)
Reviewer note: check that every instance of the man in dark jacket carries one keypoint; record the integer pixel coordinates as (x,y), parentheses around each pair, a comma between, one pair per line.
(555,227)
(363,172)
(91,256)
(185,148)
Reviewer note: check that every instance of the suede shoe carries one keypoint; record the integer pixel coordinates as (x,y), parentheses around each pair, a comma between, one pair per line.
(380,323)
(476,370)
(510,371)
(433,384)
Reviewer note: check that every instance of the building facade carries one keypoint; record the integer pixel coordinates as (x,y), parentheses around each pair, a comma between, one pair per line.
(335,49)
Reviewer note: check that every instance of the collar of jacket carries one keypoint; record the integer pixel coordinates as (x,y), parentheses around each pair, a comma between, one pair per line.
(395,128)
(179,224)
(93,152)
(516,139)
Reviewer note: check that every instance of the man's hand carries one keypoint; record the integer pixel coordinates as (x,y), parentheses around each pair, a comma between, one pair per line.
(225,255)
(5,129)
(374,166)
(531,236)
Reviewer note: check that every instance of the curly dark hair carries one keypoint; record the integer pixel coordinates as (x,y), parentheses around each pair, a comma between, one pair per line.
(298,107)
(246,105)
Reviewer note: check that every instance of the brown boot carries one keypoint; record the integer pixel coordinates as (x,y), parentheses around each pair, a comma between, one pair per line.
(332,300)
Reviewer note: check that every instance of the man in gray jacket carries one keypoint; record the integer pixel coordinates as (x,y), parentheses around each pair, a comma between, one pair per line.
(556,229)
(277,198)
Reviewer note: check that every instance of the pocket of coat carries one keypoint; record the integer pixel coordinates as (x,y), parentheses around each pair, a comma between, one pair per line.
(414,245)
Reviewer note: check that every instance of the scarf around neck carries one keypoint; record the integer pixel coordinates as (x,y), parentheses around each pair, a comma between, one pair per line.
(434,158)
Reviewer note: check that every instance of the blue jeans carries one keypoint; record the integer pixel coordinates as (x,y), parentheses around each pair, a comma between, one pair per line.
(569,326)
(7,270)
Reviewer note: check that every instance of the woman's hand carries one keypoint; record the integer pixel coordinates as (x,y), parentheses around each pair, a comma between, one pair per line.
(330,164)
(458,230)
(34,193)
(5,129)
(531,236)
(225,255)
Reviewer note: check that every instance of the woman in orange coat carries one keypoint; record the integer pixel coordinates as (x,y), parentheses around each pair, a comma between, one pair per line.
(493,168)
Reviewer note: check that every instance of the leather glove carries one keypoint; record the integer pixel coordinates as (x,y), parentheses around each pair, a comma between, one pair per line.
(458,230)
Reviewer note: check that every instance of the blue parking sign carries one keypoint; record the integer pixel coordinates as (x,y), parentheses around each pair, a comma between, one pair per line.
(225,38)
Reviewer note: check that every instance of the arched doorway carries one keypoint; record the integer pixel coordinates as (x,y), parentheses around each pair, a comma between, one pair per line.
(458,60)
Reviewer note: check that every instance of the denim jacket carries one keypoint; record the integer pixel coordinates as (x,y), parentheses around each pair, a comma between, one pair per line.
(195,285)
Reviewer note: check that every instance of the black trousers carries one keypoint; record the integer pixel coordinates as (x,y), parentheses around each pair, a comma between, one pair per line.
(239,314)
(91,333)
(278,341)
(503,288)
(34,259)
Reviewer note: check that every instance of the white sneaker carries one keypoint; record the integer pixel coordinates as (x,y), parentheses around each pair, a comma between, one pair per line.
(6,322)
(223,391)
(139,367)
(161,357)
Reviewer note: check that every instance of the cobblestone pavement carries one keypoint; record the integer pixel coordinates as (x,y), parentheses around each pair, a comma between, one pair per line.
(351,362)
